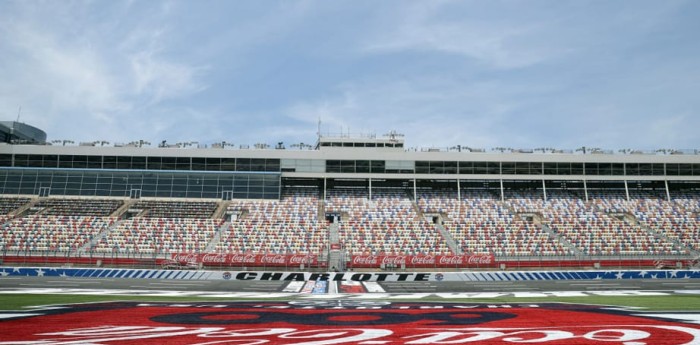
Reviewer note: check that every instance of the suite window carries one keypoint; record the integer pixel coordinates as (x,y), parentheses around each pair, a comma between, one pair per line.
(94,162)
(272,165)
(378,167)
(347,166)
(6,160)
(199,164)
(362,166)
(422,167)
(466,167)
(576,168)
(243,164)
(333,166)
(80,162)
(632,169)
(155,163)
(551,169)
(138,163)
(109,162)
(229,164)
(451,168)
(257,164)
(182,163)
(618,169)
(696,169)
(508,168)
(64,161)
(437,167)
(213,164)
(481,168)
(34,161)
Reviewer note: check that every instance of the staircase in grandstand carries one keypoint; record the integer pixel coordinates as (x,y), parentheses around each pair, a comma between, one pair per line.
(449,240)
(211,247)
(562,240)
(89,246)
(661,236)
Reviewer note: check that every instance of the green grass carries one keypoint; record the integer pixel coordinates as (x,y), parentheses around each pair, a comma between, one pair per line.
(655,303)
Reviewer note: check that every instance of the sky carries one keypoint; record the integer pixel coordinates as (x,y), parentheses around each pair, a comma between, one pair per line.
(521,74)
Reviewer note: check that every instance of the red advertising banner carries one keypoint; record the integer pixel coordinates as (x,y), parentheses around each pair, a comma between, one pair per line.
(248,259)
(422,261)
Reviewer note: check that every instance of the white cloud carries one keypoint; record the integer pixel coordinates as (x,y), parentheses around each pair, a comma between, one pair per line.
(81,79)
(431,111)
(495,43)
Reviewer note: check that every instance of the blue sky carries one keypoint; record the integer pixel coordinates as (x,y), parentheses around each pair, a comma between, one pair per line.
(522,74)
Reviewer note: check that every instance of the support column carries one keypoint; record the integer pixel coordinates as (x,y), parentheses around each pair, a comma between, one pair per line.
(585,189)
(503,195)
(668,192)
(459,191)
(370,188)
(544,191)
(415,191)
(627,191)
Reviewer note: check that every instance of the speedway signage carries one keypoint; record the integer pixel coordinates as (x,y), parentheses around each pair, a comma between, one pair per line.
(331,276)
(248,259)
(357,261)
(342,322)
(422,261)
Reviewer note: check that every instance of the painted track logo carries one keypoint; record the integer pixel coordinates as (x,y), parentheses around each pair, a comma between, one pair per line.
(341,322)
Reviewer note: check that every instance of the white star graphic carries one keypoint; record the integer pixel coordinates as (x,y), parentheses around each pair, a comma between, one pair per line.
(63,275)
(4,274)
(643,273)
(653,276)
(15,270)
(40,273)
(598,277)
(674,274)
(619,275)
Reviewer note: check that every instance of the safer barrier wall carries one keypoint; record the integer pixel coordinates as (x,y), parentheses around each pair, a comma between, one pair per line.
(345,276)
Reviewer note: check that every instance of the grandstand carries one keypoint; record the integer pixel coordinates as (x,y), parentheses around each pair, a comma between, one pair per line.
(349,202)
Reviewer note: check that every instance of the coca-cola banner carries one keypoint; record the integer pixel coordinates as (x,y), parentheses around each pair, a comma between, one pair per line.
(422,261)
(249,259)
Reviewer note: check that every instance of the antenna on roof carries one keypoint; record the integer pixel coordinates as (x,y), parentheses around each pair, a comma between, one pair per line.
(19,112)
(393,135)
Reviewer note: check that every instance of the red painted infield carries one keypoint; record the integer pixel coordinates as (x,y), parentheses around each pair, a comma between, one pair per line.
(342,322)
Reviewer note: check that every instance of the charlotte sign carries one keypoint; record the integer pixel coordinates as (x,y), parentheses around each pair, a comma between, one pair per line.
(248,259)
(422,261)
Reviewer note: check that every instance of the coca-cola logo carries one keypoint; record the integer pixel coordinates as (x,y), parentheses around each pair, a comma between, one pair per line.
(394,260)
(242,259)
(273,259)
(451,260)
(480,259)
(423,260)
(214,258)
(186,257)
(344,322)
(301,259)
(365,260)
